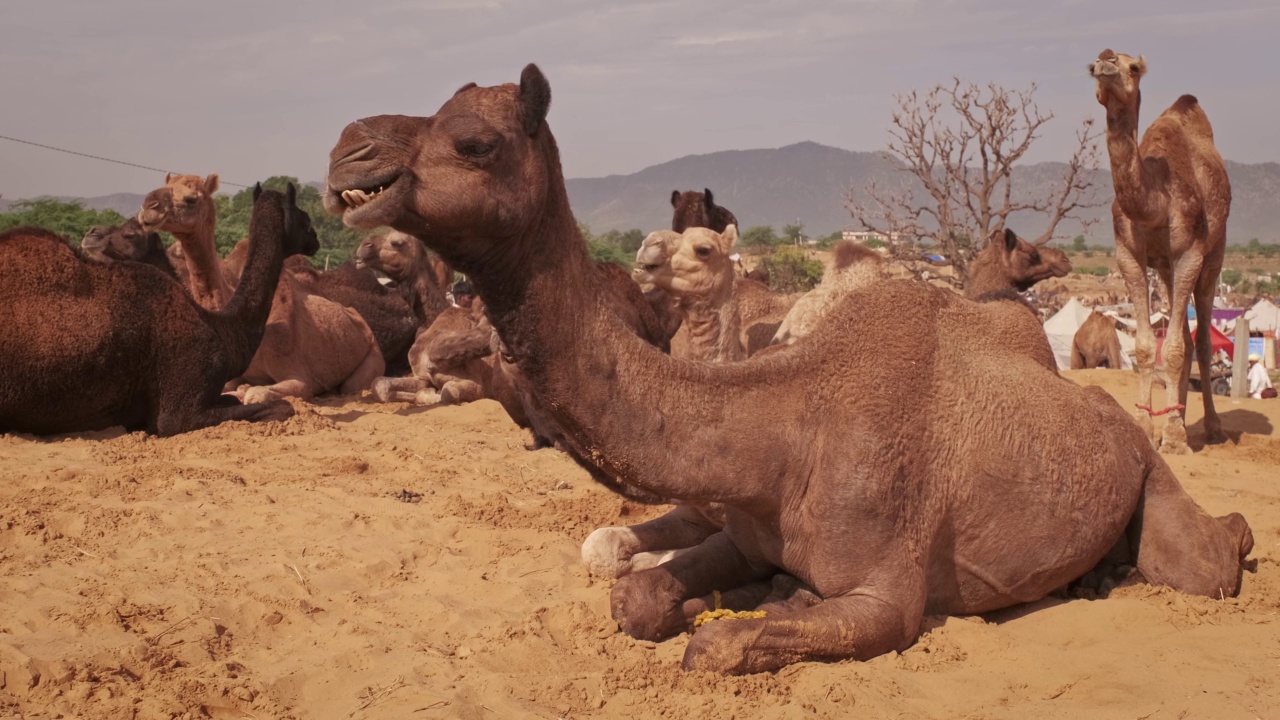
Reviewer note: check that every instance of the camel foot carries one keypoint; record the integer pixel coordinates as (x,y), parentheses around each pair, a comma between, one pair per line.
(426,397)
(1214,435)
(1237,527)
(605,553)
(382,389)
(260,395)
(647,606)
(1173,447)
(279,410)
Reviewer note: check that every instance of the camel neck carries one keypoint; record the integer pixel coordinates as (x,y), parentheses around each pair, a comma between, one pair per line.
(713,325)
(208,285)
(641,417)
(1129,176)
(986,276)
(426,299)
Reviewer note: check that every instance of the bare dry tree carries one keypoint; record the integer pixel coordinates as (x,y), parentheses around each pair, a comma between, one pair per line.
(960,143)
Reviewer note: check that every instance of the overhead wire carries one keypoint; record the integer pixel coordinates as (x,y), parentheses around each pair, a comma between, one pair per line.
(103,159)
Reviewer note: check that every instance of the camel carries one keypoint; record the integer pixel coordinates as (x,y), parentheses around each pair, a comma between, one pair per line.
(1096,344)
(890,490)
(694,268)
(854,266)
(128,242)
(89,345)
(184,208)
(1170,214)
(403,259)
(1009,263)
(698,209)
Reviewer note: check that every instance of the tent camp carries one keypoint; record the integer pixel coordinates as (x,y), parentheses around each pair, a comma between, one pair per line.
(1061,330)
(1263,316)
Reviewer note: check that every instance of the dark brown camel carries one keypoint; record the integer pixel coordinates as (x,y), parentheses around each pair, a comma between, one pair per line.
(90,345)
(1096,344)
(698,209)
(130,242)
(1010,263)
(957,497)
(404,259)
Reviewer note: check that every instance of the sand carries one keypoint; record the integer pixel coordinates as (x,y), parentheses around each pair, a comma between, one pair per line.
(379,561)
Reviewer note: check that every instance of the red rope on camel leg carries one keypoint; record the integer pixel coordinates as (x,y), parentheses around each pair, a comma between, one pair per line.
(1158,413)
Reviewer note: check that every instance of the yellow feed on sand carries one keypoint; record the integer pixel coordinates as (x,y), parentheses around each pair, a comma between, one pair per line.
(720,613)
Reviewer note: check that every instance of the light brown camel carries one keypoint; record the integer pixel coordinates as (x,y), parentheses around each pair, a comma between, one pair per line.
(1096,344)
(694,268)
(1170,214)
(891,490)
(416,273)
(184,208)
(89,345)
(854,266)
(1009,263)
(451,361)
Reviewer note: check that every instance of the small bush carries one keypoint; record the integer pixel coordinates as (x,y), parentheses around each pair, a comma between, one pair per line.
(1100,271)
(791,270)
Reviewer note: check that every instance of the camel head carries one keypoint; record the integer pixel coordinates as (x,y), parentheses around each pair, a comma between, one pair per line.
(299,237)
(129,241)
(183,205)
(466,181)
(1024,264)
(692,263)
(396,254)
(1118,76)
(698,209)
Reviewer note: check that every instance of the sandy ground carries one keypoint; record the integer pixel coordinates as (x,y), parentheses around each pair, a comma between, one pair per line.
(272,571)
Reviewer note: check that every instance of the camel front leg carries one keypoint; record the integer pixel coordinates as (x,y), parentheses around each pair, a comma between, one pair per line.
(402,389)
(855,626)
(1179,282)
(617,551)
(1133,268)
(293,387)
(649,605)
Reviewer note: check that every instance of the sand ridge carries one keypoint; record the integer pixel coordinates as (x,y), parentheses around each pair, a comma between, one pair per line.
(382,561)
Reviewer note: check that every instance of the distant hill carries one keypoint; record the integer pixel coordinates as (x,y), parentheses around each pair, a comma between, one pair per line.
(807,181)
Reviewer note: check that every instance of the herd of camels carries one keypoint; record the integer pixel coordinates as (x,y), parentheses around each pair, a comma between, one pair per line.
(841,463)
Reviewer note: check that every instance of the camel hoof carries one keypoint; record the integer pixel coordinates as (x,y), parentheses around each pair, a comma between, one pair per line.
(381,389)
(603,555)
(721,647)
(426,397)
(647,605)
(1215,437)
(260,396)
(1173,447)
(278,410)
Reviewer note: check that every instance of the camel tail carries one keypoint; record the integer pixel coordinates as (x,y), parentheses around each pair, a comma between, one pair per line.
(241,323)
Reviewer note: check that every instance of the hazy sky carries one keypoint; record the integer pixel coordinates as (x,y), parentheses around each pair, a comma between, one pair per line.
(250,88)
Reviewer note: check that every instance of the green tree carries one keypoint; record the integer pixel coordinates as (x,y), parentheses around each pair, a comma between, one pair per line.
(626,242)
(792,270)
(601,249)
(337,241)
(69,219)
(760,236)
(1231,277)
(1078,244)
(793,234)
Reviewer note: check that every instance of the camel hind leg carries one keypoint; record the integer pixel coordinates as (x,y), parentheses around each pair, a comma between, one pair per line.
(369,370)
(1205,290)
(1180,545)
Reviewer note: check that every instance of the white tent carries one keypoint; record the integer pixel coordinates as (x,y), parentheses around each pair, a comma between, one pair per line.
(1061,331)
(1263,316)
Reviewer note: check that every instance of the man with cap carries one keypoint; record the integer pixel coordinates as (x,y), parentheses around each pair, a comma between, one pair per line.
(1258,379)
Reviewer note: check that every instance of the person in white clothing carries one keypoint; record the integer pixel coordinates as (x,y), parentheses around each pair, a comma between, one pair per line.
(1258,379)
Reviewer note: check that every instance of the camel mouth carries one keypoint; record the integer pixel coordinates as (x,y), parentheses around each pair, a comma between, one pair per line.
(368,202)
(1103,68)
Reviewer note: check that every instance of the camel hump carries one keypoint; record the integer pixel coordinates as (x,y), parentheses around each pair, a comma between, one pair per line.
(1186,103)
(849,253)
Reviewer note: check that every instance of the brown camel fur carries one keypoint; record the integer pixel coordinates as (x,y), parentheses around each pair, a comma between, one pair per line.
(403,258)
(1010,263)
(1170,213)
(1096,344)
(89,344)
(698,209)
(127,242)
(184,208)
(178,260)
(891,490)
(854,266)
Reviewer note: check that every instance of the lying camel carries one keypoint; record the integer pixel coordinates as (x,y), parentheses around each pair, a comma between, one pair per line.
(89,345)
(450,360)
(311,344)
(854,266)
(890,489)
(128,242)
(1096,344)
(403,258)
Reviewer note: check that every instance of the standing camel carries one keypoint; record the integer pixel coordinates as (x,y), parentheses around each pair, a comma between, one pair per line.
(892,490)
(1170,214)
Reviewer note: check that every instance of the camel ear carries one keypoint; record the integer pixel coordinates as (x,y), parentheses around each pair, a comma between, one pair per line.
(675,197)
(257,190)
(728,238)
(535,98)
(1010,240)
(291,194)
(167,178)
(711,201)
(211,184)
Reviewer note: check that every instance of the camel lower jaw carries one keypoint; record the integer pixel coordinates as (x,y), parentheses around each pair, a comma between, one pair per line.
(366,209)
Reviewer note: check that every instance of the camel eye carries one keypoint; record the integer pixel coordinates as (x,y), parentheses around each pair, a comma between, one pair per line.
(1135,68)
(703,252)
(475,148)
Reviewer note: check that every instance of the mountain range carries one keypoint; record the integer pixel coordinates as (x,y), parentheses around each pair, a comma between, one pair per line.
(808,182)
